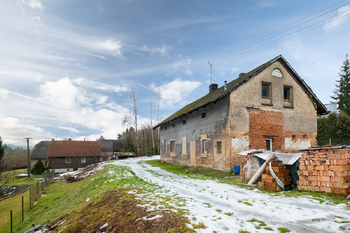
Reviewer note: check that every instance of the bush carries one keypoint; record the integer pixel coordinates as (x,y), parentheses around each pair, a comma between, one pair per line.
(38,168)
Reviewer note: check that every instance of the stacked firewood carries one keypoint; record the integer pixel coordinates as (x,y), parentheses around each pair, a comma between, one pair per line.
(325,170)
(280,170)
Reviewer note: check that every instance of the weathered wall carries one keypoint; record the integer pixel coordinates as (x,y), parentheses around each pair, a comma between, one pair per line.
(59,162)
(211,128)
(290,125)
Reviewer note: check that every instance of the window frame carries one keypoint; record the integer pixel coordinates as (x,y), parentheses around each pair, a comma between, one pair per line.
(203,114)
(204,148)
(219,147)
(83,159)
(269,93)
(268,139)
(290,93)
(172,146)
(67,159)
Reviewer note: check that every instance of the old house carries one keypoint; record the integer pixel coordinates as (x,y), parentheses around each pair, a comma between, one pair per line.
(40,151)
(71,155)
(270,107)
(110,147)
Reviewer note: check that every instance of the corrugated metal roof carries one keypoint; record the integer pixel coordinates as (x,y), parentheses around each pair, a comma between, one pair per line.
(74,149)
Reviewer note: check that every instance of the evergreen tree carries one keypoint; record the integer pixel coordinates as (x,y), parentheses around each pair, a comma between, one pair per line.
(38,168)
(2,149)
(342,90)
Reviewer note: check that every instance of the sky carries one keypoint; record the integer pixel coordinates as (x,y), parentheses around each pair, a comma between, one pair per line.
(67,67)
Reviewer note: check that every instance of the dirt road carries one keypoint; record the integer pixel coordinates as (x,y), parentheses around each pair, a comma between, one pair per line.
(227,208)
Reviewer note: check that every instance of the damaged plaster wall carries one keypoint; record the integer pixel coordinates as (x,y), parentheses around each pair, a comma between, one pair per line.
(290,124)
(211,128)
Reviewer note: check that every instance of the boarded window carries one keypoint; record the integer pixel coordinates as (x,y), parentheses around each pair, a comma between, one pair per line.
(184,146)
(172,146)
(266,90)
(204,146)
(219,147)
(68,159)
(83,159)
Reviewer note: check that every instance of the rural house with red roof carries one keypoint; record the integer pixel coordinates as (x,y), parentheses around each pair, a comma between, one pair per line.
(271,107)
(71,155)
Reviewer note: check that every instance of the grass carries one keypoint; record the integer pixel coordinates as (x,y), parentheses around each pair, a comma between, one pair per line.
(283,229)
(63,199)
(199,173)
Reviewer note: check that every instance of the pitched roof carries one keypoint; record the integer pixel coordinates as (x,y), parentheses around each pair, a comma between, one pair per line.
(40,150)
(111,145)
(74,149)
(220,93)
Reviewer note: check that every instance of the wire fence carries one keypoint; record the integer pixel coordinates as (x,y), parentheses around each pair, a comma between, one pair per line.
(27,200)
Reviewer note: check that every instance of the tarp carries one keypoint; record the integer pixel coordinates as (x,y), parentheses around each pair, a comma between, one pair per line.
(286,158)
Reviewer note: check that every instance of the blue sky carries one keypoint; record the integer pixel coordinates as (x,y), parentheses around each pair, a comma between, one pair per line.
(67,67)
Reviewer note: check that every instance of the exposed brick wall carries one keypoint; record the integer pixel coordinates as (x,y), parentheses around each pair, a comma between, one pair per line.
(265,124)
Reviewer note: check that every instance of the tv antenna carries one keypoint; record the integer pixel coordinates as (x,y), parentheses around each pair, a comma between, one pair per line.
(211,72)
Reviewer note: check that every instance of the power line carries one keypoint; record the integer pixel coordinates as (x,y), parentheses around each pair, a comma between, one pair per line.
(245,46)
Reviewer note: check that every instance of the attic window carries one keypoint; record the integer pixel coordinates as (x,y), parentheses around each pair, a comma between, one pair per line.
(165,128)
(277,73)
(203,115)
(184,122)
(287,93)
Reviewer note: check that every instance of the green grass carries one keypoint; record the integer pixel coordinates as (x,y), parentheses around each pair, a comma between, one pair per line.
(283,229)
(200,173)
(64,198)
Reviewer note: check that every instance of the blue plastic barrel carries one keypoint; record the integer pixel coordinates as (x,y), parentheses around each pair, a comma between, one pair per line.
(237,170)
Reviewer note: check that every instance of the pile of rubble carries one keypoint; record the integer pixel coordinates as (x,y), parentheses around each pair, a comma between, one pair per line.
(326,170)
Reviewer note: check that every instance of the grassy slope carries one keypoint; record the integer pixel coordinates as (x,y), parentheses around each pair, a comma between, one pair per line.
(222,177)
(63,199)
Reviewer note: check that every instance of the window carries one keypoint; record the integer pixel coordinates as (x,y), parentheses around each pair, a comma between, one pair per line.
(266,90)
(165,128)
(204,146)
(165,151)
(83,159)
(218,147)
(268,144)
(173,125)
(68,159)
(287,93)
(184,122)
(203,115)
(172,146)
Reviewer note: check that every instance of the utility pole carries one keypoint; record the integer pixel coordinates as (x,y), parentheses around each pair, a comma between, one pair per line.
(28,155)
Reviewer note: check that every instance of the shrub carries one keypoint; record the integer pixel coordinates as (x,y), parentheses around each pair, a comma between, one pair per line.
(38,168)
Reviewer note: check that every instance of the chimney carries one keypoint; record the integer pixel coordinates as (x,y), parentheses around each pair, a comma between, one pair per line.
(225,85)
(53,139)
(241,74)
(213,87)
(70,139)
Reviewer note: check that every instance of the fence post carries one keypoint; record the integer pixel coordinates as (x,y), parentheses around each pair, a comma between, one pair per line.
(22,209)
(11,219)
(30,198)
(37,189)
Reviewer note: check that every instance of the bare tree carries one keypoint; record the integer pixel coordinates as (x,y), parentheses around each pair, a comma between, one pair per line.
(132,118)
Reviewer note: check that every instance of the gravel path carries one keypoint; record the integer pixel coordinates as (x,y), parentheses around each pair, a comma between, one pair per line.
(227,208)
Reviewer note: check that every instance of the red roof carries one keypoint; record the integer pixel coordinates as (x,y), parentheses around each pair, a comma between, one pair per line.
(74,149)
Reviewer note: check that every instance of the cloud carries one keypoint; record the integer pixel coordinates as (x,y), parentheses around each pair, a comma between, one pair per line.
(13,131)
(3,94)
(100,86)
(341,18)
(35,4)
(175,92)
(163,51)
(182,62)
(36,76)
(73,130)
(188,72)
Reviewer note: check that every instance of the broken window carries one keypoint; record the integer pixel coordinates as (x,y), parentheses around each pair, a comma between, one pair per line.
(268,144)
(219,147)
(68,160)
(83,160)
(287,93)
(204,146)
(266,90)
(172,146)
(203,115)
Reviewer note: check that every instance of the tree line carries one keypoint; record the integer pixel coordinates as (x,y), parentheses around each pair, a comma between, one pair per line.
(335,128)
